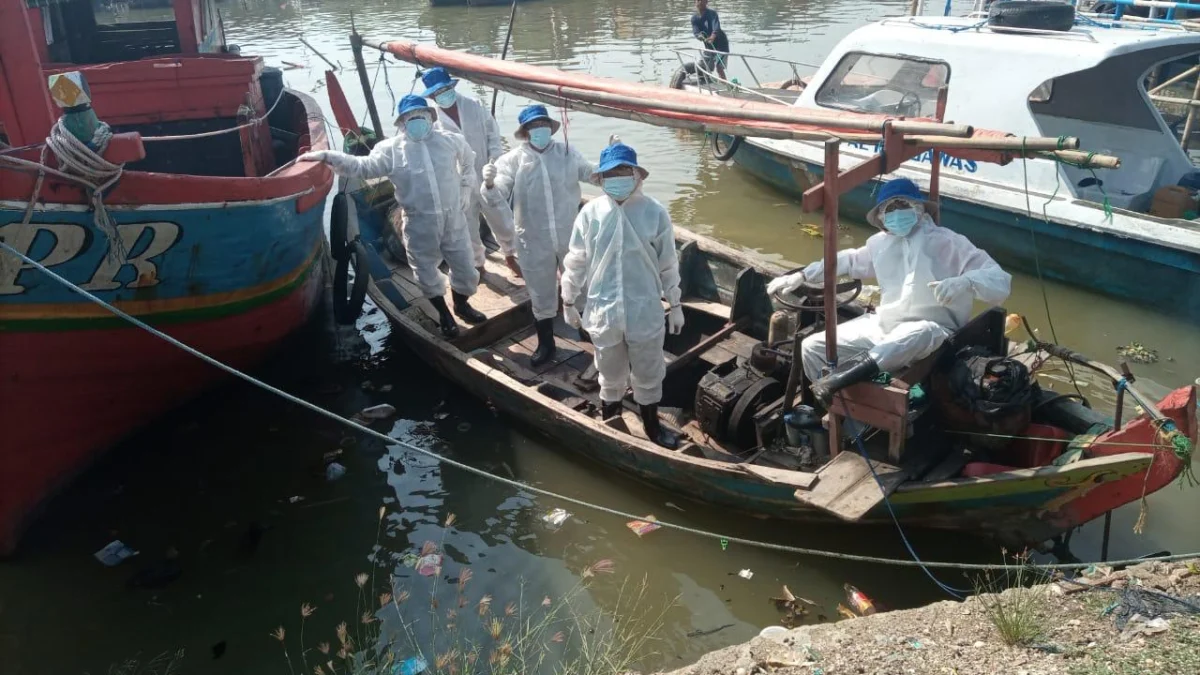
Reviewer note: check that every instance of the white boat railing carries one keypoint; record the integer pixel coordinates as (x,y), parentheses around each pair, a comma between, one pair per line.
(706,78)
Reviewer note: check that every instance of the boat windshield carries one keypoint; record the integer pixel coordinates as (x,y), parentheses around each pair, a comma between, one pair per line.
(879,83)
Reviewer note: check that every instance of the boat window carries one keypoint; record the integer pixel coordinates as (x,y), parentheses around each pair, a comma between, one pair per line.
(1043,93)
(877,83)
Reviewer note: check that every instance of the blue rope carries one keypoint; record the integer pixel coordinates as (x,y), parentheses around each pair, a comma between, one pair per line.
(956,593)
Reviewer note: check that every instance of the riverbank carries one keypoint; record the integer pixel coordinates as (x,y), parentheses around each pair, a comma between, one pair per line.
(1141,621)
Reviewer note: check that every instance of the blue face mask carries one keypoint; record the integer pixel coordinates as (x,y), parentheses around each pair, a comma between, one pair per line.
(446,98)
(417,128)
(900,222)
(620,187)
(539,137)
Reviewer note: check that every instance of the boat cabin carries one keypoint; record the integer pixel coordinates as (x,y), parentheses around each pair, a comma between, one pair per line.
(1089,82)
(173,76)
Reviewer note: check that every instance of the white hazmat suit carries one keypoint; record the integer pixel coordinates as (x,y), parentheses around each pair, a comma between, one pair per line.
(483,135)
(909,323)
(544,190)
(624,254)
(433,178)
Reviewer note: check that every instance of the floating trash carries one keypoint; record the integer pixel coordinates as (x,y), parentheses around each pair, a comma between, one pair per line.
(295,499)
(556,518)
(385,389)
(846,612)
(378,412)
(792,607)
(858,600)
(114,553)
(644,526)
(464,427)
(746,574)
(410,666)
(334,471)
(429,565)
(1138,353)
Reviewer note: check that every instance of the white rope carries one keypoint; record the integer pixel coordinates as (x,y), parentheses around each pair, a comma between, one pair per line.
(541,491)
(94,172)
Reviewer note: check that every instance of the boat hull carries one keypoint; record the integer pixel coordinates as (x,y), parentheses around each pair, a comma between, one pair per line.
(230,279)
(1119,267)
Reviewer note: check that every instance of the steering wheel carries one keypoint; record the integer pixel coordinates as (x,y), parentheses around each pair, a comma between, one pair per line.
(811,297)
(909,105)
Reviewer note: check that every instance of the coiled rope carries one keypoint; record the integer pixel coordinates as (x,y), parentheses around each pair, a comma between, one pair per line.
(724,539)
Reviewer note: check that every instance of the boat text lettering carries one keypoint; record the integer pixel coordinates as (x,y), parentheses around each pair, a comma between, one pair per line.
(71,240)
(926,157)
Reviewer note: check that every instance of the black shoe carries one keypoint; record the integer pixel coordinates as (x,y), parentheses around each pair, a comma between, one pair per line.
(464,310)
(857,368)
(609,410)
(546,346)
(445,319)
(654,428)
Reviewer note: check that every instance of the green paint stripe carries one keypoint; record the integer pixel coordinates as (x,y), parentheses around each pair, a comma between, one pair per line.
(162,318)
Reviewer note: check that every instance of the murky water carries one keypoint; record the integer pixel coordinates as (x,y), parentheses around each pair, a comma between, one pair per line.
(216,480)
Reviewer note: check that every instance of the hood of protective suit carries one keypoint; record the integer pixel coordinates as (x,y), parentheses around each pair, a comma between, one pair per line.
(479,128)
(624,254)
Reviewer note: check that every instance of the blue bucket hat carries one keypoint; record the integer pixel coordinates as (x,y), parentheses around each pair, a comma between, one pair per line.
(410,103)
(436,79)
(897,188)
(617,155)
(530,114)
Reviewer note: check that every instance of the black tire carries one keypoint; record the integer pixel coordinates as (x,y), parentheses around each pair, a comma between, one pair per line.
(339,227)
(346,309)
(728,153)
(1057,16)
(682,74)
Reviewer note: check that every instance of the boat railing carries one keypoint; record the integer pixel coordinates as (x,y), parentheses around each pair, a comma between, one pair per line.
(708,79)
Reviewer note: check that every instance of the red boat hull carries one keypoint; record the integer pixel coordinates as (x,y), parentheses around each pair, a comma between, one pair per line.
(72,394)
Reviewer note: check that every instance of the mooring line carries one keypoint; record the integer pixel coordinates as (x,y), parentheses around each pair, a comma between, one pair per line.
(782,548)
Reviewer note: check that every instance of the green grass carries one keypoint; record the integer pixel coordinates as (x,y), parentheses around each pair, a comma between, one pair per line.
(1015,602)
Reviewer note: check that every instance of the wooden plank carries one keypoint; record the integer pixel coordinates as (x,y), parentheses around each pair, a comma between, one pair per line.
(707,307)
(703,346)
(847,488)
(801,480)
(887,399)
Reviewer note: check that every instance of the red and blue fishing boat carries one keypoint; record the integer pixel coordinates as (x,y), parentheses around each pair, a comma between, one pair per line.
(206,230)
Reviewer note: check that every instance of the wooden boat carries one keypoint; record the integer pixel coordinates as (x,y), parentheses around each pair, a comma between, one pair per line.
(727,312)
(224,241)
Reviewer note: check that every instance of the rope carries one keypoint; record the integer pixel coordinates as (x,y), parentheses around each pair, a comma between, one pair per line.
(87,167)
(208,134)
(537,490)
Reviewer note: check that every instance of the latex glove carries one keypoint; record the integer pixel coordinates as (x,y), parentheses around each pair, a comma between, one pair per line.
(489,175)
(513,266)
(675,320)
(317,156)
(613,139)
(947,291)
(571,316)
(790,282)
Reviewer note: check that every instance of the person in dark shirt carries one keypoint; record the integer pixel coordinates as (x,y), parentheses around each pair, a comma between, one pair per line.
(707,28)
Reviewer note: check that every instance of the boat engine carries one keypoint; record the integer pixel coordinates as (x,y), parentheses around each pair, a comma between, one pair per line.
(728,398)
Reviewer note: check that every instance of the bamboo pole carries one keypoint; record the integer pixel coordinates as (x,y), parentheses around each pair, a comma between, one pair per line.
(1016,143)
(1178,78)
(356,45)
(1189,125)
(319,54)
(1176,100)
(786,116)
(1086,160)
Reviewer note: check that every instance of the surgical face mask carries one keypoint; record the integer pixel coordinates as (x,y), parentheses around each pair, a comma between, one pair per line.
(619,187)
(900,222)
(417,128)
(446,98)
(539,137)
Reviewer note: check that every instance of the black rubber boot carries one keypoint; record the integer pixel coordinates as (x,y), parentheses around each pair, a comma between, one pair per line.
(655,430)
(546,346)
(464,310)
(857,368)
(609,410)
(445,319)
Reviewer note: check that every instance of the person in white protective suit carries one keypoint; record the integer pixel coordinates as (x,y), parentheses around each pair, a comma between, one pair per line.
(541,179)
(928,279)
(623,250)
(462,114)
(433,175)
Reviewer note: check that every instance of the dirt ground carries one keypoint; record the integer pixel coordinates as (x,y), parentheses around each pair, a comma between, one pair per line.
(1074,632)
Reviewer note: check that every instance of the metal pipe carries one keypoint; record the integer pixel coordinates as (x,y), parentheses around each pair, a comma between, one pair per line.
(512,16)
(356,46)
(833,151)
(1190,124)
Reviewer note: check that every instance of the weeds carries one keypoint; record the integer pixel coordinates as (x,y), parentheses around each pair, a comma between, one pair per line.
(1015,602)
(457,632)
(167,663)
